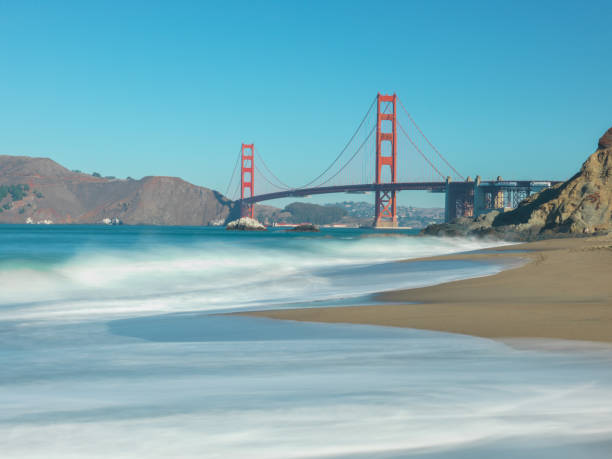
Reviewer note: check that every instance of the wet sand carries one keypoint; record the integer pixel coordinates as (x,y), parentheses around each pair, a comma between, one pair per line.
(563,291)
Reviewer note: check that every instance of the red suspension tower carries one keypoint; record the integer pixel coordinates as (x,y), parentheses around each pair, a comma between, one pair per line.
(247,177)
(385,207)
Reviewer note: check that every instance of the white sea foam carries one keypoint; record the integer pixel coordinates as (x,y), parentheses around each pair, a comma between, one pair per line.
(361,395)
(91,366)
(97,283)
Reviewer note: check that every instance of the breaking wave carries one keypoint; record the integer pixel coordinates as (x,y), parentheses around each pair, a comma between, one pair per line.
(221,272)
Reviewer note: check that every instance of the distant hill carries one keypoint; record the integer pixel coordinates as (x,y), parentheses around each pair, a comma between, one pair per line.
(416,217)
(349,213)
(40,190)
(301,212)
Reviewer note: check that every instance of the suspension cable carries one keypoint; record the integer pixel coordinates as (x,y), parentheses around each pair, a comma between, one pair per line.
(263,176)
(357,151)
(283,184)
(351,158)
(427,140)
(236,191)
(417,149)
(233,173)
(344,149)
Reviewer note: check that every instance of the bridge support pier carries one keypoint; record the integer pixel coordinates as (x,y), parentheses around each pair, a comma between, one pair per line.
(385,206)
(247,179)
(459,200)
(474,198)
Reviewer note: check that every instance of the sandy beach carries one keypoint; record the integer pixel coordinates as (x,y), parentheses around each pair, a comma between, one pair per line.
(563,291)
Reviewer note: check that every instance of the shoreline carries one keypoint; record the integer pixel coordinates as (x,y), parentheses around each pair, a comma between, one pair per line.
(563,292)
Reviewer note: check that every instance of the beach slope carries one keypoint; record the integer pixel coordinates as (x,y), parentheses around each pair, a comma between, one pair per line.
(563,291)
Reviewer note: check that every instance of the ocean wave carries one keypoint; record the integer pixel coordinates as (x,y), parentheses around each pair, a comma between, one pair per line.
(218,274)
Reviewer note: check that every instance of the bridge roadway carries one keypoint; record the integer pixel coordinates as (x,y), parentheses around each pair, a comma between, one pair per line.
(436,187)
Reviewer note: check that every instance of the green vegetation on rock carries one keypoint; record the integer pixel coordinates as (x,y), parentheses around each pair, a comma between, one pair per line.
(17,192)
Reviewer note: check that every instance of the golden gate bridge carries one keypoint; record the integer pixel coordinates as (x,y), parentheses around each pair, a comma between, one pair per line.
(387,153)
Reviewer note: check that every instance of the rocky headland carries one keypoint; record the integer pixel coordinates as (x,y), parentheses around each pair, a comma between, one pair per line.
(39,190)
(580,206)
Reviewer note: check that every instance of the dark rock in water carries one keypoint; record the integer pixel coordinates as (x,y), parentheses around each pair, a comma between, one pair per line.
(606,140)
(245,224)
(464,226)
(582,205)
(305,228)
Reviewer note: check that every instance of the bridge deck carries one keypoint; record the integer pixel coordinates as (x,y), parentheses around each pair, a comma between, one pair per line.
(301,192)
(436,187)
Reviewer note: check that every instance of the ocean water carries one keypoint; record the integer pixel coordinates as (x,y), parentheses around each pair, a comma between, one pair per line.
(111,345)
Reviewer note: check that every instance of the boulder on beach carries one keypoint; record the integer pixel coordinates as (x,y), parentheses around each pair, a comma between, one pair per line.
(245,224)
(305,228)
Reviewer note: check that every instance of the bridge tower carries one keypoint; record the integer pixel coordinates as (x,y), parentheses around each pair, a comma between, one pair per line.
(247,178)
(385,207)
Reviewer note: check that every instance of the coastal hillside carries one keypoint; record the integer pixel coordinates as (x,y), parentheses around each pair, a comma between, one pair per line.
(581,205)
(346,213)
(39,190)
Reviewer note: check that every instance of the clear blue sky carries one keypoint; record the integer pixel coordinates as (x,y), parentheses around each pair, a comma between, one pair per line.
(521,88)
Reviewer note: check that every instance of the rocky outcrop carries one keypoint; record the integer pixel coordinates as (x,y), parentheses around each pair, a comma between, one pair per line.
(304,228)
(582,205)
(245,224)
(464,226)
(62,196)
(605,142)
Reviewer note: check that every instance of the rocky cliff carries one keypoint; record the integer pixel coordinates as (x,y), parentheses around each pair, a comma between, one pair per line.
(605,142)
(52,193)
(582,205)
